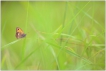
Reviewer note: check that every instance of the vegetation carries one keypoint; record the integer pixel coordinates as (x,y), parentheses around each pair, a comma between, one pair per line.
(60,35)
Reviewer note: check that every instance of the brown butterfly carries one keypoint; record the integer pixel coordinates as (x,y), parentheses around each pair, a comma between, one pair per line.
(19,33)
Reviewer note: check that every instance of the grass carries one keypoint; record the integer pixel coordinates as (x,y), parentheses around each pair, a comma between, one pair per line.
(60,35)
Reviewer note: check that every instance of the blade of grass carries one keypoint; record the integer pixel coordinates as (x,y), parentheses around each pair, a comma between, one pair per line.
(55,57)
(71,22)
(3,47)
(53,43)
(69,52)
(97,53)
(63,21)
(25,58)
(23,49)
(4,27)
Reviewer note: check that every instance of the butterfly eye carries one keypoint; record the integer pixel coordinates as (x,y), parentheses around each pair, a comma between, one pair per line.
(18,29)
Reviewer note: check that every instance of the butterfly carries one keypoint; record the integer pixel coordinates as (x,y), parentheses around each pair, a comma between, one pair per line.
(19,33)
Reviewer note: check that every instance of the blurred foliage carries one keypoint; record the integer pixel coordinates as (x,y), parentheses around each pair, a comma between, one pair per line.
(60,35)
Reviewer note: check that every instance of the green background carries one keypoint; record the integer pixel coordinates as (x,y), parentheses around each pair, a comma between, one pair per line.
(60,35)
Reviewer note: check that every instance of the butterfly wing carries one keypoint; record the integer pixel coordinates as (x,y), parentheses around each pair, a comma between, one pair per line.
(19,33)
(23,35)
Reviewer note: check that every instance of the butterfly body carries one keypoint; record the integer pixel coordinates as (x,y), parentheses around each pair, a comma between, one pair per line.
(19,33)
